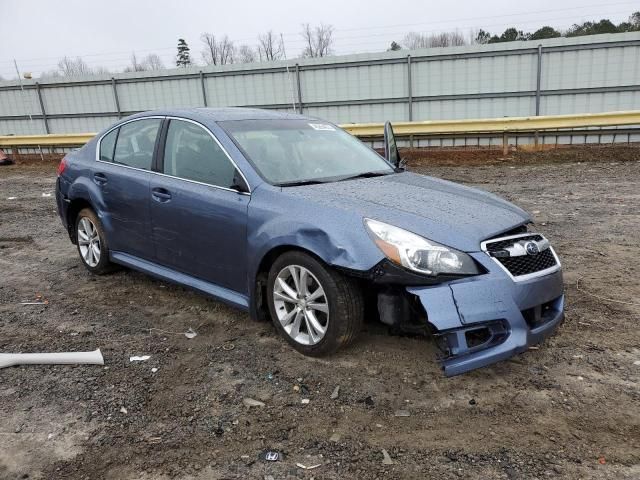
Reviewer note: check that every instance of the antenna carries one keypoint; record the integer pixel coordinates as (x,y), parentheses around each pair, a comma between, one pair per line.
(293,96)
(15,64)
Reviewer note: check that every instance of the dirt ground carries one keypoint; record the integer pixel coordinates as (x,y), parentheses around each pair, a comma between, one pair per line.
(569,409)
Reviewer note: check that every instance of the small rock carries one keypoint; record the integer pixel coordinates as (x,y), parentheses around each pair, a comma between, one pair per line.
(124,410)
(335,393)
(386,459)
(250,402)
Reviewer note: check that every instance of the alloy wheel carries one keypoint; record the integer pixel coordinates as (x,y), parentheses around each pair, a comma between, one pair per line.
(89,242)
(301,305)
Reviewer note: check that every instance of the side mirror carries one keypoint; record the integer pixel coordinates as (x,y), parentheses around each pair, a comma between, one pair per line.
(391,152)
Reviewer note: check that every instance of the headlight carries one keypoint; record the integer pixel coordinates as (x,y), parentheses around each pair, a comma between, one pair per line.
(417,253)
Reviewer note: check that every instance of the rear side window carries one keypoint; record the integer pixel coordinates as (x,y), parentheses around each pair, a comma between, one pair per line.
(135,143)
(191,153)
(107,146)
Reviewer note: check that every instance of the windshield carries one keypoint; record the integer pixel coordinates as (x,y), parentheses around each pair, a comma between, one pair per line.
(304,151)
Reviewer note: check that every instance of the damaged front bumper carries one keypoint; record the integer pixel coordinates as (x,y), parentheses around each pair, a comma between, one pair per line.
(481,320)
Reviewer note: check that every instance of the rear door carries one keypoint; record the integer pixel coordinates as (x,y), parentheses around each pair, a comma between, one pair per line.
(198,219)
(123,172)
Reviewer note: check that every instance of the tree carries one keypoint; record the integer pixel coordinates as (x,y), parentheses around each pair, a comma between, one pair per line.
(414,40)
(218,51)
(148,63)
(153,62)
(631,25)
(135,65)
(394,47)
(270,47)
(68,67)
(482,37)
(545,32)
(592,28)
(183,58)
(318,40)
(245,54)
(510,35)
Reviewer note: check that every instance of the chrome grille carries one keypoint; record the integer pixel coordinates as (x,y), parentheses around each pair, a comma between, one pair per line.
(510,253)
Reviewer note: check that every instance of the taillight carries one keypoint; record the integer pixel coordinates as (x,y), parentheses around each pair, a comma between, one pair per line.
(62,166)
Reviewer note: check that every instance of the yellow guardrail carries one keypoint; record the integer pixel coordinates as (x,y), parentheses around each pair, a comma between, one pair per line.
(498,125)
(435,127)
(55,140)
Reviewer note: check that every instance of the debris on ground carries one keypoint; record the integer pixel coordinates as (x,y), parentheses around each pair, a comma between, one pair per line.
(271,456)
(250,402)
(124,410)
(386,458)
(335,393)
(311,467)
(65,358)
(190,333)
(305,401)
(335,437)
(402,413)
(142,358)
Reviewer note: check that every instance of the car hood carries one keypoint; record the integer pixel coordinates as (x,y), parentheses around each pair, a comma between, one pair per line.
(446,212)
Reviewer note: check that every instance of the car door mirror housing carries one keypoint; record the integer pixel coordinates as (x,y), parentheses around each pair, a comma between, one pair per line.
(391,153)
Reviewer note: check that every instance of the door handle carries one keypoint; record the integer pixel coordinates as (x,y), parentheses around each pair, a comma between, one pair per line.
(160,194)
(99,178)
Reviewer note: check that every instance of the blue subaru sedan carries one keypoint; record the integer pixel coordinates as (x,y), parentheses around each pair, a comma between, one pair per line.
(293,219)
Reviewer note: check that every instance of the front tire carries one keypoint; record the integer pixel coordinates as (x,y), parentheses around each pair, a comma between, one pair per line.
(315,308)
(92,242)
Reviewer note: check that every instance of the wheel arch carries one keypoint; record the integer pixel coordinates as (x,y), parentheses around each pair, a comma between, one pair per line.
(258,308)
(74,208)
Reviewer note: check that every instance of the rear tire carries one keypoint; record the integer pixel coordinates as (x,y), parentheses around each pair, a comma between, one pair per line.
(317,309)
(92,242)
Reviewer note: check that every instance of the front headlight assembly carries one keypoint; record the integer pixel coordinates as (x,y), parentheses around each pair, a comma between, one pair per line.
(418,254)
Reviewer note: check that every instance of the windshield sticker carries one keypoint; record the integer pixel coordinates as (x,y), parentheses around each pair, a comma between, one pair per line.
(322,126)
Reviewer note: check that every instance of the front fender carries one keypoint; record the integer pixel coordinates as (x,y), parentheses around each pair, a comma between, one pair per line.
(341,247)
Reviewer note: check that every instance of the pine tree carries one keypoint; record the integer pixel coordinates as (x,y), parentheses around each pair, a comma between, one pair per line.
(183,58)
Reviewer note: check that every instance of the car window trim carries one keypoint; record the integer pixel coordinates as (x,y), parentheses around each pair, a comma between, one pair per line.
(215,139)
(160,165)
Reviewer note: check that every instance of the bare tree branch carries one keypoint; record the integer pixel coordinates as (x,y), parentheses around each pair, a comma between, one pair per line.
(245,54)
(318,40)
(414,40)
(218,51)
(270,47)
(68,67)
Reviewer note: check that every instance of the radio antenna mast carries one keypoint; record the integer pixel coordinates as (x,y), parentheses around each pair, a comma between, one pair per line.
(293,96)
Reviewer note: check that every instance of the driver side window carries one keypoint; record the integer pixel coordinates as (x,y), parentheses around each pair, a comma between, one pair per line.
(192,153)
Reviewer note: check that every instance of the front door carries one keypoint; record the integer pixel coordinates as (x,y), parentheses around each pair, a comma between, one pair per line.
(123,175)
(198,220)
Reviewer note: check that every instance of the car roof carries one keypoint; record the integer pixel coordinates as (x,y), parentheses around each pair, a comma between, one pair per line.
(206,115)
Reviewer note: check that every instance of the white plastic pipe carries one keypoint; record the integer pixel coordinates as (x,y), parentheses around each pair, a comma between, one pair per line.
(69,358)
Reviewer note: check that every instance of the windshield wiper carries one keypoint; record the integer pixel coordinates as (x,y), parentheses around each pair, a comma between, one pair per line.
(300,183)
(365,175)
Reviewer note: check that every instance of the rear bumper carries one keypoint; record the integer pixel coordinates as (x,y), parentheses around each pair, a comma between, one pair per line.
(485,319)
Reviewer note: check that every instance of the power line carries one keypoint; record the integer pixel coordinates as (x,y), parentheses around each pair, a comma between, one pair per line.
(369,28)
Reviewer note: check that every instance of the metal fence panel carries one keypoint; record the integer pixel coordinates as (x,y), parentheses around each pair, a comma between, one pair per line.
(577,75)
(74,99)
(268,88)
(139,96)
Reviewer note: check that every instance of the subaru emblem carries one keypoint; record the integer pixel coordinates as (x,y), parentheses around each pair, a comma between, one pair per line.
(532,248)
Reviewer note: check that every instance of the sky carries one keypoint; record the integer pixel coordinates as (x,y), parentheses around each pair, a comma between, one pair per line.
(37,33)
